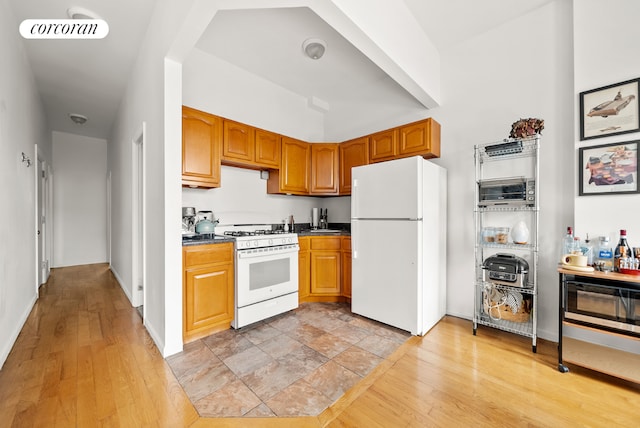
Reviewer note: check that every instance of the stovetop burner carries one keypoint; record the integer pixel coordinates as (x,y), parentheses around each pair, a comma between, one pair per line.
(237,233)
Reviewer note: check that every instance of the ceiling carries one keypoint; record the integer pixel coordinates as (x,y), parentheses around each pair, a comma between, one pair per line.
(89,77)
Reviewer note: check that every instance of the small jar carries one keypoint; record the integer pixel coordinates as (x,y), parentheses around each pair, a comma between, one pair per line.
(502,235)
(489,234)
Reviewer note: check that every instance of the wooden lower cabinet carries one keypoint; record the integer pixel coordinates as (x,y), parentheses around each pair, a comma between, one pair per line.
(304,268)
(325,273)
(322,269)
(346,267)
(208,289)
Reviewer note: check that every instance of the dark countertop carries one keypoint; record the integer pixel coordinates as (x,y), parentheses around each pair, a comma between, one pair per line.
(205,239)
(336,229)
(330,232)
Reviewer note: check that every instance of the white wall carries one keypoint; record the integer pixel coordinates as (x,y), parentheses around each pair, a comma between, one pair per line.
(243,199)
(79,200)
(520,69)
(602,61)
(22,125)
(218,87)
(152,96)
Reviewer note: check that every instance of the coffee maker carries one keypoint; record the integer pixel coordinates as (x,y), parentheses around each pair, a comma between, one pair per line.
(188,220)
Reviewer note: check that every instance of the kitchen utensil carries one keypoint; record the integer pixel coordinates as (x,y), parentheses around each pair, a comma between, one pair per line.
(188,212)
(204,215)
(188,220)
(206,226)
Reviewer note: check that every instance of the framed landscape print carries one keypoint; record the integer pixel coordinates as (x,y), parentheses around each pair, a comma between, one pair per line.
(608,169)
(610,110)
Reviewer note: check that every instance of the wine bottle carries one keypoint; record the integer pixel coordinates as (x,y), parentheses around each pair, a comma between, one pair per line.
(622,250)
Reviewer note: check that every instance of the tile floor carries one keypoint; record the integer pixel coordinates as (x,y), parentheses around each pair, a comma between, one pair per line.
(294,364)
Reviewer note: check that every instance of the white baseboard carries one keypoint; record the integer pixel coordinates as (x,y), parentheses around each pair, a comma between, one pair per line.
(121,282)
(157,339)
(6,349)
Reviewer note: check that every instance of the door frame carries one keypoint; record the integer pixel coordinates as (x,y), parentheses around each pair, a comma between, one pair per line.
(138,223)
(43,218)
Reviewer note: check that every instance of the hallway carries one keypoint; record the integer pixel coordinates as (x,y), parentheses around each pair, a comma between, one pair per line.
(85,359)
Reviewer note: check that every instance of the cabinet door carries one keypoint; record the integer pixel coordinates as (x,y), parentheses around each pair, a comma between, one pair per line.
(304,269)
(420,138)
(238,142)
(267,149)
(352,153)
(383,145)
(325,273)
(208,297)
(201,141)
(294,166)
(324,169)
(346,266)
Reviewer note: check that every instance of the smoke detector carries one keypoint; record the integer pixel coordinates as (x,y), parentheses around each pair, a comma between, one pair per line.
(81,13)
(78,118)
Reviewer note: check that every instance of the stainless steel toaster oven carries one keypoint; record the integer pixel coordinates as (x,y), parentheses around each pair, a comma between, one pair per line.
(516,191)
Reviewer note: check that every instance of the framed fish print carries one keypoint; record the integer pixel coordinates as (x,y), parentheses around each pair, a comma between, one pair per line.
(608,169)
(610,110)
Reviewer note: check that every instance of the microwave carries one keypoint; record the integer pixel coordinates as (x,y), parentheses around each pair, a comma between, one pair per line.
(608,304)
(515,191)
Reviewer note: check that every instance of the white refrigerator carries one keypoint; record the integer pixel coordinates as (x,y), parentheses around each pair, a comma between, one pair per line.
(398,236)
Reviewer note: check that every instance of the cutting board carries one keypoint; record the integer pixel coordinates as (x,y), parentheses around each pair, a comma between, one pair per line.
(578,268)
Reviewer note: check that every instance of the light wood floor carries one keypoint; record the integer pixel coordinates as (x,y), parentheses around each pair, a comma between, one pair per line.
(83,359)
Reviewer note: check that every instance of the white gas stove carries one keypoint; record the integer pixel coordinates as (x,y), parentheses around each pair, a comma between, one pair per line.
(266,266)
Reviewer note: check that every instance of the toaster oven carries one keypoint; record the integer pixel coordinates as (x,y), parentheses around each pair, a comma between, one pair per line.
(517,191)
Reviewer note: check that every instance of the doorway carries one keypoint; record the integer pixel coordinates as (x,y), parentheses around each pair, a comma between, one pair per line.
(43,210)
(138,260)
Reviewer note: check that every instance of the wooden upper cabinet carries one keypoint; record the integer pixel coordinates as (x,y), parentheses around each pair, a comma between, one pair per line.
(383,145)
(324,169)
(249,147)
(420,138)
(267,148)
(201,146)
(294,174)
(352,153)
(238,142)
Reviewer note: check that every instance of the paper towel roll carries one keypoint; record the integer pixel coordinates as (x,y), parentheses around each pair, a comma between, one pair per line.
(314,221)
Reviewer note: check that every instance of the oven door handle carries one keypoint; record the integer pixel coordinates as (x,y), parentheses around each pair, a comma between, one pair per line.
(268,251)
